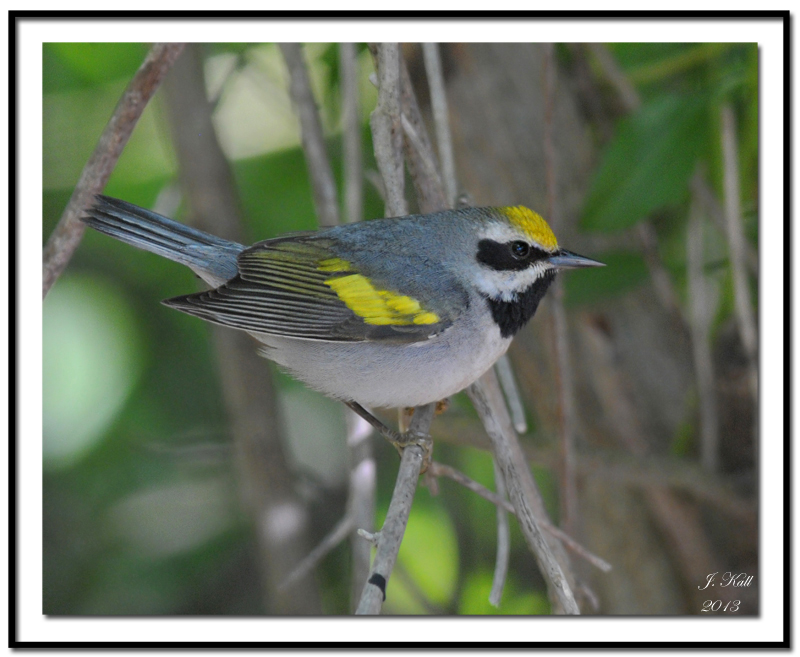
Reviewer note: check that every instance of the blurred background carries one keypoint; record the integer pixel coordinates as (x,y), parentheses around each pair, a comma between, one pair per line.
(158,460)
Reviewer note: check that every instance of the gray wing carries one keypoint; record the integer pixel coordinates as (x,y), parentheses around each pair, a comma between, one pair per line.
(297,287)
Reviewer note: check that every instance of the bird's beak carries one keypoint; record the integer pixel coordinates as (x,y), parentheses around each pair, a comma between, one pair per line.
(564,259)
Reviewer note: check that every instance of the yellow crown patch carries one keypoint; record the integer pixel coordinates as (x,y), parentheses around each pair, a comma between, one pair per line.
(532,225)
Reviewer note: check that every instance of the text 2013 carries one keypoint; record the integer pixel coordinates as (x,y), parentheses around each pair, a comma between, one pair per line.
(716,605)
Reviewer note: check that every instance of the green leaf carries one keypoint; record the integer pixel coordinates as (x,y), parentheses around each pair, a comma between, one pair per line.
(624,270)
(69,66)
(648,163)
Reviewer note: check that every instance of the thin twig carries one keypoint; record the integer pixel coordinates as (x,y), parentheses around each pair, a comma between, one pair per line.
(388,143)
(387,129)
(433,69)
(394,527)
(662,283)
(486,394)
(562,367)
(69,231)
(351,134)
(441,470)
(616,76)
(424,155)
(508,382)
(441,120)
(702,307)
(577,548)
(340,532)
(419,151)
(437,469)
(319,167)
(360,498)
(737,249)
(503,541)
(487,398)
(713,208)
(680,474)
(363,471)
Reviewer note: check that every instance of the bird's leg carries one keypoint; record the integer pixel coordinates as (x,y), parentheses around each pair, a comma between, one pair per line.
(399,440)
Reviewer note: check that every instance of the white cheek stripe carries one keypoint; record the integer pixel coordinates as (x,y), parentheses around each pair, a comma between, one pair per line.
(505,285)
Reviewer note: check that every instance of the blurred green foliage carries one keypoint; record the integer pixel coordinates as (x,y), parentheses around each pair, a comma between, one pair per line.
(141,514)
(645,169)
(648,163)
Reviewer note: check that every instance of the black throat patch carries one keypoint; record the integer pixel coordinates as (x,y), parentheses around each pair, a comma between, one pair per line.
(511,316)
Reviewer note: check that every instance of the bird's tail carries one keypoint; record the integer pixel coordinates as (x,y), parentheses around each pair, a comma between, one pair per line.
(212,258)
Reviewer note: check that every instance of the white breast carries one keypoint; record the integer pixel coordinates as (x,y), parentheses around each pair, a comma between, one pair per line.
(394,375)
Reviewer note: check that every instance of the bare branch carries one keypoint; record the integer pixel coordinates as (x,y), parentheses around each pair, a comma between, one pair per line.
(431,188)
(616,76)
(69,231)
(386,127)
(508,383)
(419,152)
(702,307)
(737,246)
(680,474)
(577,548)
(562,368)
(493,413)
(487,398)
(503,541)
(713,208)
(351,133)
(433,69)
(319,167)
(394,527)
(340,532)
(648,241)
(441,470)
(360,498)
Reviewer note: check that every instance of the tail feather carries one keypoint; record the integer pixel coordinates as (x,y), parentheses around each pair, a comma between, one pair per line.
(214,259)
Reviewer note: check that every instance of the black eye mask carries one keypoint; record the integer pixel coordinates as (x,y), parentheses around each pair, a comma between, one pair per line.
(509,256)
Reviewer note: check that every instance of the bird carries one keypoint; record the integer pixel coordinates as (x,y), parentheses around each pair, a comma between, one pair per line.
(385,313)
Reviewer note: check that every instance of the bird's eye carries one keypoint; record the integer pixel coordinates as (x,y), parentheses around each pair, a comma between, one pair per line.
(520,250)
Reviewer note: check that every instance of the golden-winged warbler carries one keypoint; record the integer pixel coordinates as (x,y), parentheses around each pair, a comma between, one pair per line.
(391,312)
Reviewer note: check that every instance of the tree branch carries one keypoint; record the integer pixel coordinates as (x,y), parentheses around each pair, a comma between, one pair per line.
(503,540)
(391,534)
(319,168)
(562,367)
(737,248)
(351,134)
(68,233)
(442,470)
(386,126)
(702,307)
(485,395)
(441,119)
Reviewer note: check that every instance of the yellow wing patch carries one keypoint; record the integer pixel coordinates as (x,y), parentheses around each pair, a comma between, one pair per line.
(532,225)
(334,264)
(378,307)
